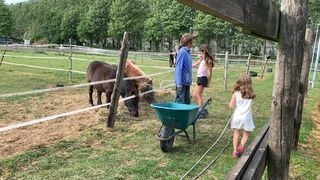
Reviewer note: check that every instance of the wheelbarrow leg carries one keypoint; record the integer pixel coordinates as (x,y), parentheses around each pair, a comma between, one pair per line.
(187,136)
(194,131)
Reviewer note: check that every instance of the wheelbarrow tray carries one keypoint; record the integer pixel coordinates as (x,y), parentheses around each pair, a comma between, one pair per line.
(176,115)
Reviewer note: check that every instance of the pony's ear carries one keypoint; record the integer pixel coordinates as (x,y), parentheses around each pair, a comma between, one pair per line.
(150,80)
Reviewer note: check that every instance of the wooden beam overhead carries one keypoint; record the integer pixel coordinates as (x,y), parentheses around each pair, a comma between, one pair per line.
(256,17)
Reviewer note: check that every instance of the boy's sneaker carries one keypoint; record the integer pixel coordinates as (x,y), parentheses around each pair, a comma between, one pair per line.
(201,115)
(240,150)
(205,111)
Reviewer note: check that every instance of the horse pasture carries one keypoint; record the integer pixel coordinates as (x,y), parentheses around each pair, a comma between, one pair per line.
(80,146)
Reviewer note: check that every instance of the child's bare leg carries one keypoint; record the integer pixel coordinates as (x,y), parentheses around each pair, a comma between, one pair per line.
(236,135)
(245,137)
(199,94)
(194,94)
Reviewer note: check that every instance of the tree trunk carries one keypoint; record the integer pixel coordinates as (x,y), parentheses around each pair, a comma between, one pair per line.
(286,86)
(264,47)
(303,87)
(170,44)
(157,44)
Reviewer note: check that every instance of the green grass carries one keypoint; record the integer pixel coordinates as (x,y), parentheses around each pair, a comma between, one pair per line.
(130,150)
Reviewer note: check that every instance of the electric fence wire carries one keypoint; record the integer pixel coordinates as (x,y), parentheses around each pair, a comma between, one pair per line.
(217,157)
(36,121)
(213,145)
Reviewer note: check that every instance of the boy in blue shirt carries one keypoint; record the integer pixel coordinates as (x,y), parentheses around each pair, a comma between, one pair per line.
(183,69)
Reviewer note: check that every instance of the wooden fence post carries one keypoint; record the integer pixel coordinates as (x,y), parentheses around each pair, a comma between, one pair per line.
(264,65)
(118,83)
(303,87)
(70,60)
(4,53)
(286,86)
(248,63)
(225,70)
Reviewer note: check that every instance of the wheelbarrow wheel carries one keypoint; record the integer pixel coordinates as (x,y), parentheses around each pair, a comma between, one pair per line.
(166,145)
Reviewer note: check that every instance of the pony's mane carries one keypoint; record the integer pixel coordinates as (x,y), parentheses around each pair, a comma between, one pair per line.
(133,70)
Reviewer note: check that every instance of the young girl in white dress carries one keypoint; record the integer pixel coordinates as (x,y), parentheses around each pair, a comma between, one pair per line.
(241,102)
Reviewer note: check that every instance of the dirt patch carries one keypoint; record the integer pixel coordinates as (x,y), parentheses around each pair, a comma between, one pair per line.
(31,137)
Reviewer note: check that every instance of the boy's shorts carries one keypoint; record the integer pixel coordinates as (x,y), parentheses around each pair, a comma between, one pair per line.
(202,81)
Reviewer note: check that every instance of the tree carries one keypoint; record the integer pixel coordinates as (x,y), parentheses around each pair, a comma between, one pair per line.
(5,20)
(51,26)
(128,15)
(314,10)
(178,19)
(206,26)
(94,24)
(69,24)
(155,23)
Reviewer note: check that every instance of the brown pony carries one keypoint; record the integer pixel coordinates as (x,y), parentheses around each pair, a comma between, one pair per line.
(99,71)
(144,84)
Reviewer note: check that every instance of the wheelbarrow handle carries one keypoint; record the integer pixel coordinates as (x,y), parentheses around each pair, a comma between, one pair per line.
(201,109)
(209,101)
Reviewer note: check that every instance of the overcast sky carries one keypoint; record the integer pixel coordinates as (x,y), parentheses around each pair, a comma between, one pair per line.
(13,1)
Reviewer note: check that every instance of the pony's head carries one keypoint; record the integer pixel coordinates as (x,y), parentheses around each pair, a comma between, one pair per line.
(133,103)
(147,86)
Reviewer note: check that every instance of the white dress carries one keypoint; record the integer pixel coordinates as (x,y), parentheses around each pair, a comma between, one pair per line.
(242,115)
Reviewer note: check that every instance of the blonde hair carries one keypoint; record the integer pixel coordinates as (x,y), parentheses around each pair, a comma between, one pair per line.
(244,85)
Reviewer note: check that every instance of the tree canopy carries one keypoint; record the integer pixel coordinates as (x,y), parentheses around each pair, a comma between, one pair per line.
(5,20)
(154,24)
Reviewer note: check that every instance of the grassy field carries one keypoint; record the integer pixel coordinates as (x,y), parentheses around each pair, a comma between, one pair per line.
(79,146)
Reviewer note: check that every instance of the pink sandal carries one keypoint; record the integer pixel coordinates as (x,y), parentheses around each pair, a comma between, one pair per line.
(235,154)
(240,150)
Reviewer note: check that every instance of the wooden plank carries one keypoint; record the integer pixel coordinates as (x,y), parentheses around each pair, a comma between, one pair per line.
(259,18)
(238,170)
(118,83)
(259,161)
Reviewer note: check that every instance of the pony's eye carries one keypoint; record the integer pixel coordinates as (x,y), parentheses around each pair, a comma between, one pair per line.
(132,93)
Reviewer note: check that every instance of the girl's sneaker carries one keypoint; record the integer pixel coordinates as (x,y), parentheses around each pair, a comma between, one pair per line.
(235,154)
(240,150)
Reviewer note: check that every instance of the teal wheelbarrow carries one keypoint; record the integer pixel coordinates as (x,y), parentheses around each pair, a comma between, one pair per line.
(175,119)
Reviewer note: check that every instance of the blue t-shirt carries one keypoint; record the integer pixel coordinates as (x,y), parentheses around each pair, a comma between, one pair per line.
(183,68)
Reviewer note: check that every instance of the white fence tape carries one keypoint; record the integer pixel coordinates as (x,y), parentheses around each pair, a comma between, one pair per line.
(36,121)
(77,59)
(75,86)
(36,57)
(41,67)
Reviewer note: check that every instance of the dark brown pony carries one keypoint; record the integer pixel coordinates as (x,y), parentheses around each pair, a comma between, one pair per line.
(100,71)
(144,84)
